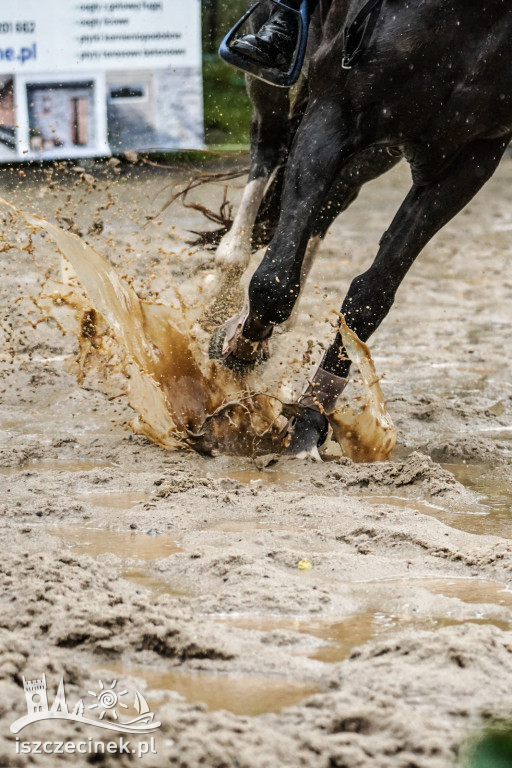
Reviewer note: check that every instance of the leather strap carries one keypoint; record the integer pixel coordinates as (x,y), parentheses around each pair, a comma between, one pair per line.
(357,34)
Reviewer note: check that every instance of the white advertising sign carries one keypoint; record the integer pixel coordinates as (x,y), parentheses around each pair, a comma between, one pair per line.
(80,79)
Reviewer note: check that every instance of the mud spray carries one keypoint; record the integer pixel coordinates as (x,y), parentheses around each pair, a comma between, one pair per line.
(148,352)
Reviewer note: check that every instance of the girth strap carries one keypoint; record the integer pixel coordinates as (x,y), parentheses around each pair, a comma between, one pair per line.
(356,35)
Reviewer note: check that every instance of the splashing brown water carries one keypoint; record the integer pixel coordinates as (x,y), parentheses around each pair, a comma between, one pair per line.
(367,434)
(181,398)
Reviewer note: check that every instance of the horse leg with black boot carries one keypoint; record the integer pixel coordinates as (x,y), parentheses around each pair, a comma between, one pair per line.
(425,210)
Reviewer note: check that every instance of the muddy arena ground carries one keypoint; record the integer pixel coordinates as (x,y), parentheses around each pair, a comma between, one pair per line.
(178,575)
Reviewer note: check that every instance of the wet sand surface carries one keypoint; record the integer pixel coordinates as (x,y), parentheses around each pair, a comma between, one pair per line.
(306,614)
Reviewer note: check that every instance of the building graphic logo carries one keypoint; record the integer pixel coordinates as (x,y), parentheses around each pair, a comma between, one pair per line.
(107,708)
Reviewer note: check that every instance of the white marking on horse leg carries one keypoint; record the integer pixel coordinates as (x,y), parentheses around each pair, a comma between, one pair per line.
(234,250)
(309,258)
(233,256)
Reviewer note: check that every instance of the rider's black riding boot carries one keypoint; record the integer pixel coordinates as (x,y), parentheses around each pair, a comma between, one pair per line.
(274,44)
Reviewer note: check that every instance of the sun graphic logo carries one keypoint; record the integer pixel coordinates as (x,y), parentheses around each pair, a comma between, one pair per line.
(107,707)
(108,699)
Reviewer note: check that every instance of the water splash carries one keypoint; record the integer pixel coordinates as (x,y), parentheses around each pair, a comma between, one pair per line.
(367,434)
(181,397)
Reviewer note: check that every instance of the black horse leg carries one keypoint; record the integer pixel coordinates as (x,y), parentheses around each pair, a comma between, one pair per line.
(316,191)
(425,210)
(323,390)
(361,168)
(322,145)
(357,171)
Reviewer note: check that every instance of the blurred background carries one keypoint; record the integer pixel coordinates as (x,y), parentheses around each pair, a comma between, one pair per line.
(226,106)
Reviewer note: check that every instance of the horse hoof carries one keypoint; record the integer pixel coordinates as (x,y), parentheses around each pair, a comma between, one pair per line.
(215,352)
(308,433)
(233,349)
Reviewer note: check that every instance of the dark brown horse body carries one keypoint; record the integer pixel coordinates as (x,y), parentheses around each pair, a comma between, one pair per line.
(434,85)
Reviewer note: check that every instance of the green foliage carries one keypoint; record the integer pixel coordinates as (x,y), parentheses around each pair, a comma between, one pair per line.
(227,108)
(494,750)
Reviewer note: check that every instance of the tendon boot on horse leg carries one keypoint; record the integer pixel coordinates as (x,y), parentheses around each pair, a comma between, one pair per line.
(425,210)
(308,431)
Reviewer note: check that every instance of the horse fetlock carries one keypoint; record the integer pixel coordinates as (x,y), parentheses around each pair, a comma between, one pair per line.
(239,345)
(231,346)
(273,296)
(233,252)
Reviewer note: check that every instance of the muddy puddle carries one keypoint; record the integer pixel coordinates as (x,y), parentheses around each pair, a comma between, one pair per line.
(157,587)
(242,695)
(273,476)
(342,638)
(496,496)
(467,590)
(253,695)
(345,637)
(57,465)
(492,516)
(124,544)
(114,499)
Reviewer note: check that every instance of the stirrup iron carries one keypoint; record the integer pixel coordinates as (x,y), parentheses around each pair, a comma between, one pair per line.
(271,75)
